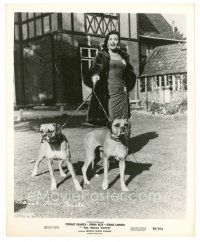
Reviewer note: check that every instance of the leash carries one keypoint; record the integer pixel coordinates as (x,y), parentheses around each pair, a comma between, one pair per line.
(102,109)
(76,111)
(82,105)
(109,119)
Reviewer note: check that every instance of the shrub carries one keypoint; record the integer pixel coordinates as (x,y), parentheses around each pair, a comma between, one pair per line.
(183,105)
(170,108)
(155,107)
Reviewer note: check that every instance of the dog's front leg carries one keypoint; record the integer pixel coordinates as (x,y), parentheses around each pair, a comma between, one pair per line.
(122,171)
(62,173)
(39,159)
(71,170)
(51,171)
(105,179)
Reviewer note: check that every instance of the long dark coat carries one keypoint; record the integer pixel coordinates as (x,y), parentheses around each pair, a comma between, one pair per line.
(100,67)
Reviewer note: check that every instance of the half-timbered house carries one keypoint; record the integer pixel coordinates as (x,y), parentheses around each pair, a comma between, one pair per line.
(53,50)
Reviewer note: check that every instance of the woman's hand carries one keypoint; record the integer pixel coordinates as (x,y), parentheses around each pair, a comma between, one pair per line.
(95,78)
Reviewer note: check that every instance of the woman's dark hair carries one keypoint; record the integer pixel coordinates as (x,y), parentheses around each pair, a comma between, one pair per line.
(107,37)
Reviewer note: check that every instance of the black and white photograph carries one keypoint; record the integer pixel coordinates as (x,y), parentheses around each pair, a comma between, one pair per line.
(100,117)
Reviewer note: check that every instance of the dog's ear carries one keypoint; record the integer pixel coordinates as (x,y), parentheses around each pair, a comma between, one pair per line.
(57,127)
(41,128)
(109,124)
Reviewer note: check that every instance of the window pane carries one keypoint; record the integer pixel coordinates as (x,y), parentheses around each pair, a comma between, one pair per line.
(142,85)
(46,24)
(16,32)
(184,82)
(24,31)
(155,84)
(149,85)
(30,15)
(169,80)
(16,17)
(93,53)
(85,53)
(31,29)
(54,22)
(38,27)
(158,81)
(162,81)
(85,67)
(24,16)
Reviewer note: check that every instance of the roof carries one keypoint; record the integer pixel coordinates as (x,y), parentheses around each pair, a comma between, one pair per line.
(156,26)
(167,59)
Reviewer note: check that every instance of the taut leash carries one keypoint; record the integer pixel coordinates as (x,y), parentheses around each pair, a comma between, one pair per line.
(83,104)
(76,110)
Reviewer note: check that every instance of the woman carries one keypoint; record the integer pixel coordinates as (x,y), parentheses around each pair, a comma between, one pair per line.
(112,77)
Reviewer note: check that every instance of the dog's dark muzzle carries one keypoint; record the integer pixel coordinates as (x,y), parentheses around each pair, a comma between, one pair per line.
(47,138)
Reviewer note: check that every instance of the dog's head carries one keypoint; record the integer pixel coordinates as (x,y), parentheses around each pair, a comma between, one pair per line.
(120,127)
(50,132)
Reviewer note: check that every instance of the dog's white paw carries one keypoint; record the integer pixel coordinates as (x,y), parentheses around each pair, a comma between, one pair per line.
(53,186)
(77,186)
(96,175)
(34,173)
(125,189)
(105,185)
(87,182)
(63,174)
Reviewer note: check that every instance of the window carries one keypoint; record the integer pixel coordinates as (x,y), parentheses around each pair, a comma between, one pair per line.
(36,24)
(162,81)
(87,57)
(149,84)
(169,82)
(16,32)
(184,82)
(155,83)
(142,85)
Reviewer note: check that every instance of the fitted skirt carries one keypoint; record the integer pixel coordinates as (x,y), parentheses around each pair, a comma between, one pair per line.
(118,104)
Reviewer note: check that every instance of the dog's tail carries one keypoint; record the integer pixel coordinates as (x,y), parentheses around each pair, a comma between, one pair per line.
(31,161)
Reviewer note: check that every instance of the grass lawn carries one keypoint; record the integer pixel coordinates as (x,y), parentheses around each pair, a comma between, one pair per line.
(155,173)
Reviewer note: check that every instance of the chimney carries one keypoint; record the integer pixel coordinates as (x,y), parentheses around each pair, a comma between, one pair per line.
(175,29)
(173,23)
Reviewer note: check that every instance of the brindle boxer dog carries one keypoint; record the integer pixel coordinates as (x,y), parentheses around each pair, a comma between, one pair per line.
(114,142)
(54,146)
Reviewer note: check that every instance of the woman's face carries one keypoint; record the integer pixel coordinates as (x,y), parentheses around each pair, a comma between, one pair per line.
(113,41)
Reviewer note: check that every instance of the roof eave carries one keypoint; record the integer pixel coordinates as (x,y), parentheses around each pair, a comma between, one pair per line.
(150,37)
(163,73)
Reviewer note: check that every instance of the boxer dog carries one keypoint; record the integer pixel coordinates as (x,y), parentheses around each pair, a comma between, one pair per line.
(54,146)
(114,142)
